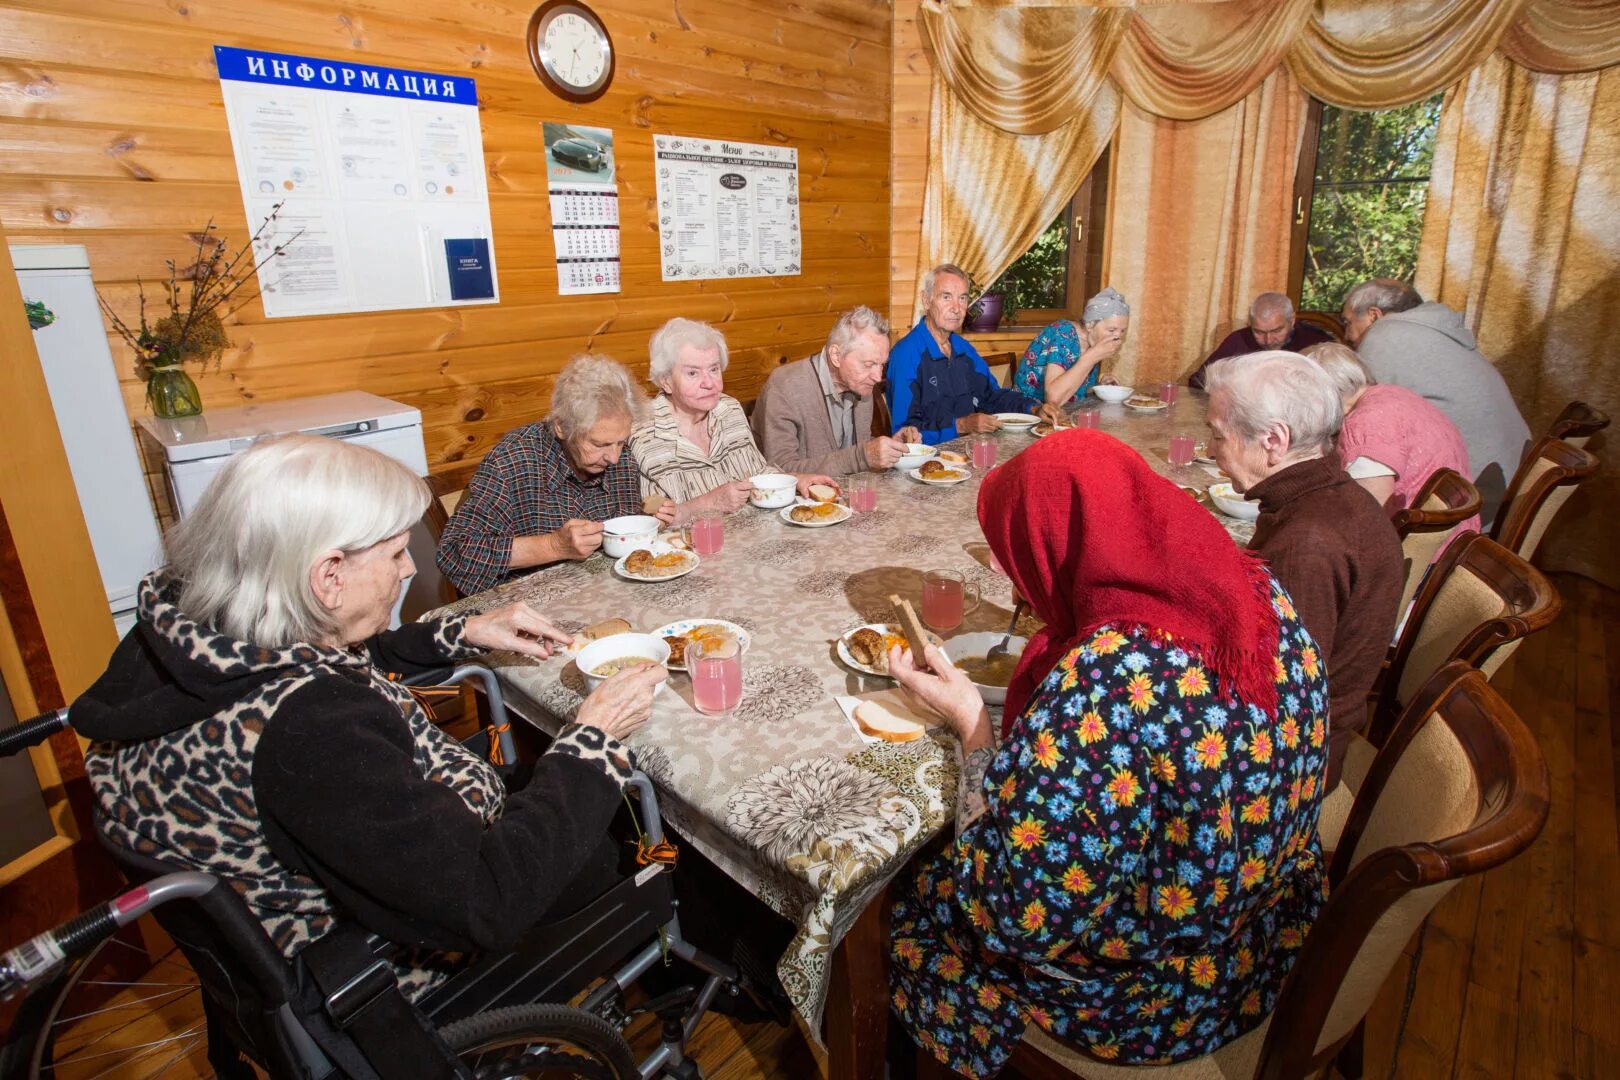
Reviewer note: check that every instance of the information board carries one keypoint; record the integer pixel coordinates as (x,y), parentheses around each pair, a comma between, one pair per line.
(726,209)
(379,172)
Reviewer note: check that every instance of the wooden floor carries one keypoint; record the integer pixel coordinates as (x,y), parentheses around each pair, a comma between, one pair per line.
(1519,971)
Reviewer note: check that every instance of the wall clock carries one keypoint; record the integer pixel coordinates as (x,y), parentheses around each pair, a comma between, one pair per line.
(570,50)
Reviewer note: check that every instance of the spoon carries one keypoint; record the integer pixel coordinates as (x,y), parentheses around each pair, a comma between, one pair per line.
(1001,649)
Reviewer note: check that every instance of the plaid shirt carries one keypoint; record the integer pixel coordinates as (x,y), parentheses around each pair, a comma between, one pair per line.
(526,487)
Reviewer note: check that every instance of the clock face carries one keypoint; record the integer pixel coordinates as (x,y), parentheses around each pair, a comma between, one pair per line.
(571,50)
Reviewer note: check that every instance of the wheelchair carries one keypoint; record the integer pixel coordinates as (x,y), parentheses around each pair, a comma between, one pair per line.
(555,1006)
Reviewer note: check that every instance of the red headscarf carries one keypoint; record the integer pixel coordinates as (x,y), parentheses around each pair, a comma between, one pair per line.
(1091,535)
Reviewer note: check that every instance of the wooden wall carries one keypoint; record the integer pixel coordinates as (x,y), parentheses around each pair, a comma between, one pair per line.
(112,134)
(908,154)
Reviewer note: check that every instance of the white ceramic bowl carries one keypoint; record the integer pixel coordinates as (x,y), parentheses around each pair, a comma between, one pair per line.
(965,645)
(618,647)
(622,535)
(916,454)
(1113,394)
(1232,504)
(772,490)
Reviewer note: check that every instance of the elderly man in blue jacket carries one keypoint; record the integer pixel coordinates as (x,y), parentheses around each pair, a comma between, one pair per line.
(938,383)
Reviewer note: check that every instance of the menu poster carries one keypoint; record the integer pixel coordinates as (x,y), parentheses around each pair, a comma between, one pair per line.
(726,209)
(581,171)
(379,173)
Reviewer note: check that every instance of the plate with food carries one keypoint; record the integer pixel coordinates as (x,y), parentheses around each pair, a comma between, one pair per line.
(866,648)
(1201,454)
(1145,403)
(656,563)
(1046,427)
(816,515)
(1015,419)
(939,472)
(678,635)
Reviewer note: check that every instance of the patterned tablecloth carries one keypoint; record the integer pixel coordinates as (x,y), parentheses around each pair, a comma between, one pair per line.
(783,794)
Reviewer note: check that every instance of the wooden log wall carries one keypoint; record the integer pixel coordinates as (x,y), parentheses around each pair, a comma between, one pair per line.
(113,135)
(908,154)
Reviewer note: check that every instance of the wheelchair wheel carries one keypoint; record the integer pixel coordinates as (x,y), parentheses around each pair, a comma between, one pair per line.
(552,1041)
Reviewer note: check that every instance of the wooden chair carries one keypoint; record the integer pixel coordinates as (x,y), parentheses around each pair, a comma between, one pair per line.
(881,424)
(447,486)
(1546,480)
(1460,789)
(1002,365)
(1444,502)
(1326,321)
(1577,424)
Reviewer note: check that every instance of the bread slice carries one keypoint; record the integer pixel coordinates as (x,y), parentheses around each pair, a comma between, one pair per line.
(598,631)
(880,722)
(823,493)
(953,457)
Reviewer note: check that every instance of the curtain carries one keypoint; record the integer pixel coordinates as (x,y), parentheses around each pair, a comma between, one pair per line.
(1200,220)
(1520,236)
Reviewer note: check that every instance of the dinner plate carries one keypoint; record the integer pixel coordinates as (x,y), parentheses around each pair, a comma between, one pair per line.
(844,514)
(1037,429)
(681,626)
(1017,419)
(961,470)
(1155,407)
(849,660)
(692,562)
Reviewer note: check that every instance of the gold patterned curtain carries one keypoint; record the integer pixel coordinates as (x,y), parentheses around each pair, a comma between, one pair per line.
(1520,236)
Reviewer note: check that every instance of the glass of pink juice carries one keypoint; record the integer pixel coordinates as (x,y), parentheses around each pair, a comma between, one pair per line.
(947,598)
(1085,418)
(982,451)
(1168,392)
(861,491)
(716,676)
(1181,449)
(708,532)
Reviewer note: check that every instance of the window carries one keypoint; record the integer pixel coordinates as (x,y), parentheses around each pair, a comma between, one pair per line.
(1365,195)
(1063,267)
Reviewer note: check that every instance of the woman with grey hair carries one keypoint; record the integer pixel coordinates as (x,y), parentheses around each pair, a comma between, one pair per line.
(1065,359)
(541,496)
(251,725)
(697,448)
(1393,439)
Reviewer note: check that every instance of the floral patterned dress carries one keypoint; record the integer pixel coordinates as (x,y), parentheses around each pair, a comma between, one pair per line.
(1058,343)
(1144,871)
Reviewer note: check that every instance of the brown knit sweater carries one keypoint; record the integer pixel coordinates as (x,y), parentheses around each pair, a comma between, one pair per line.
(1334,550)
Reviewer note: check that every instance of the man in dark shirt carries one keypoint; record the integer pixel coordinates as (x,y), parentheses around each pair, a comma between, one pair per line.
(1271,326)
(542,494)
(1272,420)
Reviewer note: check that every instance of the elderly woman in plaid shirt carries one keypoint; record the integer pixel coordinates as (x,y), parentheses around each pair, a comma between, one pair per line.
(542,494)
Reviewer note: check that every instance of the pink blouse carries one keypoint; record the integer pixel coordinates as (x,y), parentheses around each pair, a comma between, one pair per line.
(1397,428)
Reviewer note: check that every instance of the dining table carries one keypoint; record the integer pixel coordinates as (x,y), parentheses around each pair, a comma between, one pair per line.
(784,793)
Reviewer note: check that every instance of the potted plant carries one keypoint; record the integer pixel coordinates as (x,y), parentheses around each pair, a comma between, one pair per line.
(194,328)
(984,314)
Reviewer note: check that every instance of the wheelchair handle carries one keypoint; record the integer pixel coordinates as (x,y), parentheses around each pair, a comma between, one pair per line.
(38,958)
(32,732)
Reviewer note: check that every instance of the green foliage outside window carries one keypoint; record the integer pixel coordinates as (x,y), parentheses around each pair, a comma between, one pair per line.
(1040,277)
(1372,182)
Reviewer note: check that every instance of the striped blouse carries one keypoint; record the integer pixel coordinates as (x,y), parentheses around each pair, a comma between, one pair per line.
(671,466)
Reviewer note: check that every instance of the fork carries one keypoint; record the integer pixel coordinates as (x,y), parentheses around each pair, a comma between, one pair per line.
(1006,641)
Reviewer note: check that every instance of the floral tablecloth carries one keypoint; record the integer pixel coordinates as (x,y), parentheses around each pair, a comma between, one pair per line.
(783,794)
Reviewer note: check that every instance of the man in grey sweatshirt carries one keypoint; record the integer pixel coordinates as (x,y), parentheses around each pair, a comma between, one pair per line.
(1427,349)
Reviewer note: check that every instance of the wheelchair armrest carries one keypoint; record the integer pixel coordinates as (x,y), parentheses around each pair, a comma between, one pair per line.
(651,822)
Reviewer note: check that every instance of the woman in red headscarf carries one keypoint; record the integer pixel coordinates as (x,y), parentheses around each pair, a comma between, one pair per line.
(1136,863)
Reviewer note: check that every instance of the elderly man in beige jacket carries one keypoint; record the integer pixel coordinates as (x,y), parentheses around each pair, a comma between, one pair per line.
(815,415)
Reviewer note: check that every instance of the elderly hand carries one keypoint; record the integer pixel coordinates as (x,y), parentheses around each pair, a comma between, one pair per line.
(1106,349)
(577,539)
(977,423)
(1051,412)
(942,688)
(882,452)
(908,434)
(515,628)
(1107,380)
(666,512)
(807,479)
(732,495)
(623,702)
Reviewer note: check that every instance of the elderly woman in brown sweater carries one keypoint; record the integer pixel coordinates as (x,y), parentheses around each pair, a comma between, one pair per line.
(1273,417)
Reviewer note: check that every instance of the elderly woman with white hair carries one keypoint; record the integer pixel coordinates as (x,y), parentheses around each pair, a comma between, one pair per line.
(248,725)
(541,495)
(1392,440)
(697,448)
(1273,417)
(1066,358)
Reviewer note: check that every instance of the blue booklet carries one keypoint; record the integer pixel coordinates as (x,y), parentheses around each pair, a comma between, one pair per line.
(470,274)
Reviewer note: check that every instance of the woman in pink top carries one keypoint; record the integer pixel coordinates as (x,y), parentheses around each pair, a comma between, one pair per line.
(1393,440)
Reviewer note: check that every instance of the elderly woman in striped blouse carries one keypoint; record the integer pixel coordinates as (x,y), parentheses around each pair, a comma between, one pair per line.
(696,448)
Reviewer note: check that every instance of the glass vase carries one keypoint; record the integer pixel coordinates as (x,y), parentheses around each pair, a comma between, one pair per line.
(171,393)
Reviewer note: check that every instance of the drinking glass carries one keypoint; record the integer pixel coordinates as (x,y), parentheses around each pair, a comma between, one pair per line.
(982,451)
(1085,418)
(1168,392)
(708,532)
(716,671)
(861,491)
(946,597)
(1181,449)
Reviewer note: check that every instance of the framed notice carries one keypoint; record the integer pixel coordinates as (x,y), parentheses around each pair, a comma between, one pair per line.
(378,171)
(726,209)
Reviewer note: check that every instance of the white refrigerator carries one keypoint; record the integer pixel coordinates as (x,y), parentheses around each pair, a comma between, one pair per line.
(90,414)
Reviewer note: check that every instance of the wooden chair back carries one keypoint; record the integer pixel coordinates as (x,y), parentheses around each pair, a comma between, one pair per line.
(881,424)
(1002,365)
(1326,321)
(447,486)
(1541,487)
(1460,788)
(1444,502)
(1478,603)
(1577,424)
